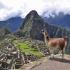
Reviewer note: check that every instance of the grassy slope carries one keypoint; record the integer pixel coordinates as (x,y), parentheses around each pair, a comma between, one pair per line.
(24,47)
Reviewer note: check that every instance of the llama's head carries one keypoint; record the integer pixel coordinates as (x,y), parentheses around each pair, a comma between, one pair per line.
(45,33)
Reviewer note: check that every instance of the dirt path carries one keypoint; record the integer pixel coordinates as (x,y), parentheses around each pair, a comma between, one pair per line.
(55,64)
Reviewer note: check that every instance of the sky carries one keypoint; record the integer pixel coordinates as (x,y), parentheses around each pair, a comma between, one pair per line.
(12,8)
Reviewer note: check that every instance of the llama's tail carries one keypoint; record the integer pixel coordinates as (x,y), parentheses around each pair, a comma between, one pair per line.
(66,41)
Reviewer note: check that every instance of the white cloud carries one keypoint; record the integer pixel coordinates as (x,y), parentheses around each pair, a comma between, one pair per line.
(11,8)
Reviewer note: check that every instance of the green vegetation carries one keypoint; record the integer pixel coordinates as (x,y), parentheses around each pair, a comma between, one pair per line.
(25,47)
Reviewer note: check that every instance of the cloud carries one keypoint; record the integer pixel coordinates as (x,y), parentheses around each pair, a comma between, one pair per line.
(12,8)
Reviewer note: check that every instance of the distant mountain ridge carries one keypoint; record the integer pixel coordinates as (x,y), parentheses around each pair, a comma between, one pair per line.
(60,20)
(12,24)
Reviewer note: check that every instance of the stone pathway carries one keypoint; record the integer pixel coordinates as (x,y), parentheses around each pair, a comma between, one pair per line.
(54,64)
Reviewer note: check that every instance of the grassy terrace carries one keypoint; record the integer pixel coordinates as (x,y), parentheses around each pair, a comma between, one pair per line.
(24,47)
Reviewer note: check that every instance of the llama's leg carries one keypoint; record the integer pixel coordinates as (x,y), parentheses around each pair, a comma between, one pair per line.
(48,51)
(53,49)
(62,54)
(52,54)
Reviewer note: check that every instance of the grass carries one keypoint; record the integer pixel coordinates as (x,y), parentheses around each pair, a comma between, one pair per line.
(24,47)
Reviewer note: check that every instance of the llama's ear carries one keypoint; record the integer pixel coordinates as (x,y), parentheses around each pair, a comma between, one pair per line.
(42,31)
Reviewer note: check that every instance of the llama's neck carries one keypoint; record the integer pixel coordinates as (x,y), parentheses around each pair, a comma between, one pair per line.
(46,39)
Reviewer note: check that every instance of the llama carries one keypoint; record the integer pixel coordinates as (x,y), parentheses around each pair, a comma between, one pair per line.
(59,43)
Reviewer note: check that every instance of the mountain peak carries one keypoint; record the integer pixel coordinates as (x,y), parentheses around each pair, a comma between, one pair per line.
(33,12)
(32,25)
(32,15)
